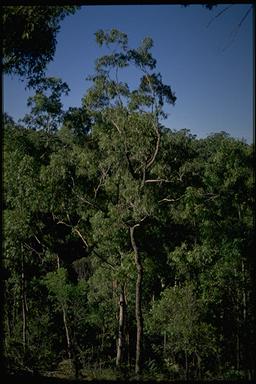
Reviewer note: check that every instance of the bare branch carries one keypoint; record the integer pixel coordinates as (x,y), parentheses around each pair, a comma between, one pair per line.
(235,31)
(75,229)
(245,16)
(39,242)
(117,127)
(104,174)
(218,14)
(64,223)
(81,236)
(171,200)
(32,249)
(85,200)
(144,218)
(211,196)
(157,181)
(104,260)
(94,205)
(126,149)
(151,161)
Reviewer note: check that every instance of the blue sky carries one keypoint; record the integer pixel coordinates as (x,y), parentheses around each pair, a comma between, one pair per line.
(210,69)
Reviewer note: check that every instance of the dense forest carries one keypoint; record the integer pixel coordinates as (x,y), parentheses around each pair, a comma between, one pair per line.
(128,246)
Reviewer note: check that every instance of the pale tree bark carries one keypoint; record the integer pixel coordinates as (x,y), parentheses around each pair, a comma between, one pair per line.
(65,321)
(121,329)
(24,307)
(138,302)
(67,332)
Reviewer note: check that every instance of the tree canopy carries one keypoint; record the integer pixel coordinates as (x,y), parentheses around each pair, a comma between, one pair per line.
(29,37)
(128,246)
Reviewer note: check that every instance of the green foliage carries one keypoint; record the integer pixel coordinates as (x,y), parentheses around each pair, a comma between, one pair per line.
(46,111)
(108,91)
(110,37)
(56,283)
(75,182)
(29,38)
(76,125)
(176,316)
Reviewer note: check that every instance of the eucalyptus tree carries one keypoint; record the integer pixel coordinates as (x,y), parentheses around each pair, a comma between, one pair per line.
(127,130)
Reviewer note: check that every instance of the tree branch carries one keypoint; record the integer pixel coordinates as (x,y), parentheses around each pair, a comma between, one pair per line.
(32,249)
(104,174)
(244,17)
(94,205)
(235,31)
(81,237)
(104,260)
(117,127)
(126,150)
(151,161)
(63,222)
(39,242)
(86,243)
(157,181)
(170,200)
(216,16)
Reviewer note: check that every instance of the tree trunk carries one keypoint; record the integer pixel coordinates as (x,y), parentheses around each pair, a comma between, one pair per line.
(67,332)
(186,364)
(64,316)
(121,334)
(128,347)
(244,293)
(24,312)
(198,366)
(164,349)
(237,350)
(138,311)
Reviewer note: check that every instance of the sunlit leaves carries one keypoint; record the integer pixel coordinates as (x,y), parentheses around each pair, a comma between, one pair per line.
(109,90)
(153,84)
(110,37)
(46,110)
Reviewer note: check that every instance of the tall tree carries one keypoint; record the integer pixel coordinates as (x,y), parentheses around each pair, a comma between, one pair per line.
(128,131)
